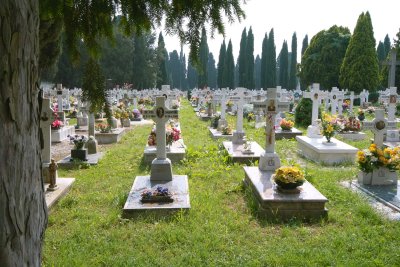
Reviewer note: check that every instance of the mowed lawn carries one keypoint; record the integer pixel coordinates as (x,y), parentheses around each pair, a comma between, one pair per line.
(86,228)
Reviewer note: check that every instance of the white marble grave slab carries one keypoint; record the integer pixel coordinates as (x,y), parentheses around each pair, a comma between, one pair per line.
(110,138)
(176,152)
(314,149)
(236,154)
(356,136)
(61,134)
(215,134)
(308,204)
(179,187)
(52,197)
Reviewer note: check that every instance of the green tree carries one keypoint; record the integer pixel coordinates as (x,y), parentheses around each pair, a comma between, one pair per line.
(293,64)
(242,60)
(304,45)
(175,69)
(203,57)
(221,63)
(360,69)
(93,86)
(322,60)
(387,44)
(257,72)
(162,59)
(380,51)
(229,68)
(263,68)
(386,68)
(250,60)
(284,66)
(182,71)
(270,77)
(144,69)
(191,76)
(212,72)
(24,213)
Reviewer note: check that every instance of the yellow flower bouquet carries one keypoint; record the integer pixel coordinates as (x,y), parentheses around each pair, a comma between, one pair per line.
(329,126)
(289,177)
(375,157)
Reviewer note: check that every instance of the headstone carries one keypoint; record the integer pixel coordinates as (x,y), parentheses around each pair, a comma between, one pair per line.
(316,96)
(269,160)
(222,121)
(379,126)
(161,169)
(238,134)
(392,104)
(46,118)
(392,63)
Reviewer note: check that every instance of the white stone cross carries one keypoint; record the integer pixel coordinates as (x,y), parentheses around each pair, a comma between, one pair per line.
(239,97)
(316,96)
(59,97)
(392,63)
(335,97)
(379,126)
(46,118)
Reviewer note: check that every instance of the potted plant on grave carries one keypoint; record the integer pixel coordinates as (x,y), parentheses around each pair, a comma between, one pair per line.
(79,152)
(288,178)
(159,195)
(103,128)
(229,105)
(135,115)
(173,134)
(251,117)
(122,114)
(372,159)
(361,115)
(226,130)
(329,126)
(214,121)
(286,125)
(151,140)
(352,125)
(57,123)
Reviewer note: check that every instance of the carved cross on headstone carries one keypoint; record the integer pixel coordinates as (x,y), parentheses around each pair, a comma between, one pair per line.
(379,126)
(316,96)
(392,62)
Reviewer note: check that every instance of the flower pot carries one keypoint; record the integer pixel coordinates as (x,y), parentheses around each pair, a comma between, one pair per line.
(364,177)
(288,186)
(286,129)
(80,154)
(361,117)
(125,122)
(328,143)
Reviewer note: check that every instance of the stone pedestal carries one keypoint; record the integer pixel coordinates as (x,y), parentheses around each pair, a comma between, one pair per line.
(82,120)
(110,138)
(215,134)
(161,170)
(238,138)
(313,132)
(392,136)
(307,205)
(61,134)
(175,153)
(281,134)
(91,145)
(314,149)
(269,161)
(221,123)
(114,123)
(178,186)
(382,176)
(52,197)
(356,136)
(237,154)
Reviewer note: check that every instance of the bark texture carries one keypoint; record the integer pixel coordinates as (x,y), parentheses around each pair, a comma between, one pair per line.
(23,212)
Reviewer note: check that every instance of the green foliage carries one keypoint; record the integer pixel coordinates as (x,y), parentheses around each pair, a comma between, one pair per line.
(304,45)
(250,60)
(387,45)
(270,75)
(293,64)
(323,58)
(144,58)
(192,76)
(264,52)
(242,61)
(203,57)
(384,76)
(360,68)
(229,68)
(221,63)
(212,72)
(174,68)
(380,50)
(93,86)
(162,59)
(302,116)
(284,66)
(257,72)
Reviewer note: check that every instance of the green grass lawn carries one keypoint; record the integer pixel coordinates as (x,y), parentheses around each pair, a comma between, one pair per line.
(221,228)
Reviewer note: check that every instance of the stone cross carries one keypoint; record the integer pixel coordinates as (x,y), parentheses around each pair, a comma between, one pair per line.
(59,97)
(334,99)
(238,134)
(392,104)
(392,63)
(379,126)
(161,166)
(316,96)
(271,106)
(46,118)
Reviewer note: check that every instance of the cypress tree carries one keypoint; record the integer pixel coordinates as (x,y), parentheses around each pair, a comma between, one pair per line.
(387,44)
(203,57)
(250,60)
(293,64)
(175,69)
(263,68)
(221,63)
(229,68)
(270,77)
(283,66)
(360,68)
(381,52)
(304,45)
(191,76)
(242,60)
(211,71)
(162,58)
(257,72)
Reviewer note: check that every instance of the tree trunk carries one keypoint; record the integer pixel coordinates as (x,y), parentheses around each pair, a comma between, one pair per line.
(23,212)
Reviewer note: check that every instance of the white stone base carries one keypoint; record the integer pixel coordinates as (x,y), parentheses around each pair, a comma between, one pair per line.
(238,138)
(176,152)
(179,187)
(215,134)
(64,185)
(353,136)
(161,170)
(269,161)
(110,138)
(236,152)
(313,132)
(381,176)
(308,204)
(61,134)
(314,149)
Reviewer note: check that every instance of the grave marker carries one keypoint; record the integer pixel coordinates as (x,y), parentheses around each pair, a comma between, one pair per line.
(316,96)
(379,126)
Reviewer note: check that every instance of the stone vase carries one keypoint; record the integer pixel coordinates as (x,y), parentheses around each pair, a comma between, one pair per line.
(125,122)
(383,176)
(80,154)
(364,177)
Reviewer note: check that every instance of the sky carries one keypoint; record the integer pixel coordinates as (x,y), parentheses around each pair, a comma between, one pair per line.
(303,17)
